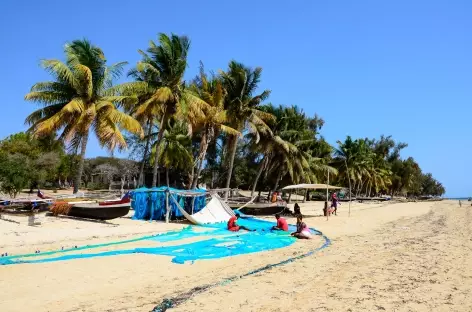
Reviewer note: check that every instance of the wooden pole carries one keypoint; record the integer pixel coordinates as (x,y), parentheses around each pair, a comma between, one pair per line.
(167,206)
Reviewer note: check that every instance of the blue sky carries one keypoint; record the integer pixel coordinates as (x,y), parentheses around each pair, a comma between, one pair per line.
(400,68)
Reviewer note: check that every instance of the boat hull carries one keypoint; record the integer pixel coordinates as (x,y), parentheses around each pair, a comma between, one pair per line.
(97,212)
(26,208)
(260,209)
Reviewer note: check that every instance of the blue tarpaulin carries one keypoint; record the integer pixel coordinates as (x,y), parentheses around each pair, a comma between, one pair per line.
(150,204)
(214,242)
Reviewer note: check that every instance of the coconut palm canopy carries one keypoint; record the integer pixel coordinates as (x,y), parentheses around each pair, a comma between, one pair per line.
(80,99)
(216,129)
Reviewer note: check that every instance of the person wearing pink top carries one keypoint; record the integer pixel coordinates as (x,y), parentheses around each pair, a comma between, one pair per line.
(303,231)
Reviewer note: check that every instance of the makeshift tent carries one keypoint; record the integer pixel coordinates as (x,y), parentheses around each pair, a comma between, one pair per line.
(151,204)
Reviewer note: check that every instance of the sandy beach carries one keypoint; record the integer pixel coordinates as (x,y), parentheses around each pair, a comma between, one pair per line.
(384,257)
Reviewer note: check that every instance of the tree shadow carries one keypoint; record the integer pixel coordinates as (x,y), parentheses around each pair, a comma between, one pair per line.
(9,220)
(84,220)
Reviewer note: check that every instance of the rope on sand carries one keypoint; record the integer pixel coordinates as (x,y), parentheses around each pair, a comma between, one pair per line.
(179,299)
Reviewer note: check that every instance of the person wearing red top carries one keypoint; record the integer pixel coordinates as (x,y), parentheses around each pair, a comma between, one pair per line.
(281,223)
(233,226)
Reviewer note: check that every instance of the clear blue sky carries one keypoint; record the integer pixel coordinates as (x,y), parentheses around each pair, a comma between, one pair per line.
(367,67)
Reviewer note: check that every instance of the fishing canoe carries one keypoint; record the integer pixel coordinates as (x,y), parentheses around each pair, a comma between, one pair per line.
(24,208)
(260,209)
(99,212)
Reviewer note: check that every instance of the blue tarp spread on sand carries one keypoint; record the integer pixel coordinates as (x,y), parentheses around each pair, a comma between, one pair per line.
(150,204)
(213,241)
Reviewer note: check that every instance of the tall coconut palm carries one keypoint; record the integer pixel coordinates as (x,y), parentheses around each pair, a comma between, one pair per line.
(80,99)
(269,144)
(174,149)
(243,104)
(144,87)
(166,64)
(272,148)
(212,121)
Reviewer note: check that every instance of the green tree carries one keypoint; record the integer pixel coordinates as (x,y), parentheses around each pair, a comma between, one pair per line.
(163,68)
(175,149)
(242,105)
(80,99)
(212,121)
(15,173)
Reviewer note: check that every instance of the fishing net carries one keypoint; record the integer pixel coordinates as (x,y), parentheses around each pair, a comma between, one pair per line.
(214,241)
(150,204)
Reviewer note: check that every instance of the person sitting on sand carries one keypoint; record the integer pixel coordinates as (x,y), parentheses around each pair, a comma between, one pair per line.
(281,224)
(296,210)
(303,232)
(233,226)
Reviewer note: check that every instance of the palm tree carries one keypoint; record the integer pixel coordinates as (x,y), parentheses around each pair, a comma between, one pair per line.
(145,112)
(79,99)
(242,105)
(212,121)
(174,149)
(165,64)
(269,146)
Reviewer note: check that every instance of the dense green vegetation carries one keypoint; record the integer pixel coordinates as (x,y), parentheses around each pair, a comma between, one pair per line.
(26,162)
(216,129)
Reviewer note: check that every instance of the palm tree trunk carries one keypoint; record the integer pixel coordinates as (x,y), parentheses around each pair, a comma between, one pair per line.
(80,170)
(234,144)
(261,168)
(162,127)
(279,176)
(191,176)
(167,176)
(146,149)
(206,138)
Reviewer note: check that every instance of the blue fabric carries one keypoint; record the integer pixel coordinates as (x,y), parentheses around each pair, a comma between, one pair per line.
(216,242)
(150,204)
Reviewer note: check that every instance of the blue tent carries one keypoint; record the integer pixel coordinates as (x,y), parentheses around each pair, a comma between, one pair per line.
(150,204)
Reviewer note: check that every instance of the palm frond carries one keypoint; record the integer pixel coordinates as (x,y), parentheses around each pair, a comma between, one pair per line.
(60,71)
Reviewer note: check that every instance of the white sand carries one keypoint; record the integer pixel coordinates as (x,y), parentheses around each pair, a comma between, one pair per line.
(393,257)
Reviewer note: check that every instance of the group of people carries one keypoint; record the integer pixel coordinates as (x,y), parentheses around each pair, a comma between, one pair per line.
(302,232)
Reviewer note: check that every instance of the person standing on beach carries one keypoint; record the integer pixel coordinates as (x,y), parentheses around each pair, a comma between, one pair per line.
(282,224)
(334,203)
(460,203)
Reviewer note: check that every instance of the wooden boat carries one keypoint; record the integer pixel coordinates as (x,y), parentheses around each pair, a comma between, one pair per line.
(99,212)
(24,208)
(260,209)
(372,198)
(115,202)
